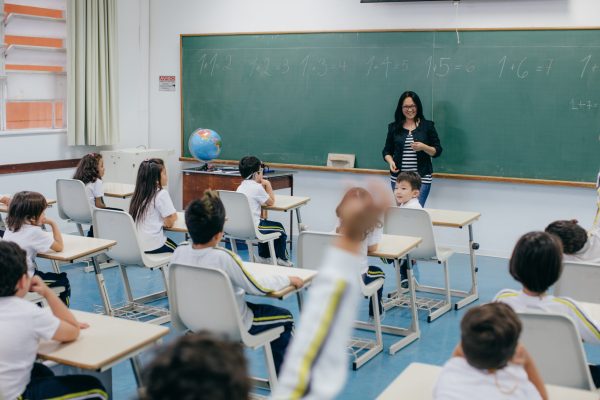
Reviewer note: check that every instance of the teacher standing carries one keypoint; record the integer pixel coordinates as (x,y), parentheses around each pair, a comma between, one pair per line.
(411,143)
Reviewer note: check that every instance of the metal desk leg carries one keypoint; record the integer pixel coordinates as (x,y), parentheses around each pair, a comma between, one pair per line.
(473,293)
(102,287)
(137,370)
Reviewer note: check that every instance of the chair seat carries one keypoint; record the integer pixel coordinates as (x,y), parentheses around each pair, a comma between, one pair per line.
(371,288)
(259,339)
(259,237)
(157,260)
(444,253)
(36,298)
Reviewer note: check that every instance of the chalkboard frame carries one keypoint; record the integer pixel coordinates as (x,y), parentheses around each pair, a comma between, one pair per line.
(548,182)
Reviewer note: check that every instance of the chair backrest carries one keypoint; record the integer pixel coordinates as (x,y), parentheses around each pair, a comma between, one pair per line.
(555,345)
(119,226)
(412,222)
(201,298)
(579,281)
(73,201)
(239,223)
(312,247)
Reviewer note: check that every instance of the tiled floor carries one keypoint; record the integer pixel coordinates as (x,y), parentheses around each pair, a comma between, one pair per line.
(435,345)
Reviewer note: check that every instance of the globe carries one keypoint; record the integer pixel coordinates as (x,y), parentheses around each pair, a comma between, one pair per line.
(205,144)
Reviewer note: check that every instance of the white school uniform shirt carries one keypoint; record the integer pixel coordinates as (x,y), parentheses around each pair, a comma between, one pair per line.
(257,196)
(412,203)
(241,279)
(460,381)
(521,302)
(33,240)
(590,252)
(150,226)
(94,190)
(23,324)
(316,363)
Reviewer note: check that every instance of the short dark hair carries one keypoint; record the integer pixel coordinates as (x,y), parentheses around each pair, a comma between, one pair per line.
(13,265)
(536,261)
(489,335)
(198,366)
(249,165)
(23,206)
(411,177)
(205,217)
(572,236)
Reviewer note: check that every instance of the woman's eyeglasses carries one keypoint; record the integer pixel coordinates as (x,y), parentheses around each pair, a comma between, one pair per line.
(413,107)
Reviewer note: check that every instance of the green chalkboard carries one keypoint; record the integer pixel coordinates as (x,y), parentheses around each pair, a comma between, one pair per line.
(522,104)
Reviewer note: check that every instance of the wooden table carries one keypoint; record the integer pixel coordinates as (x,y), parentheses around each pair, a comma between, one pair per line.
(307,275)
(79,247)
(118,190)
(458,219)
(397,247)
(107,342)
(417,381)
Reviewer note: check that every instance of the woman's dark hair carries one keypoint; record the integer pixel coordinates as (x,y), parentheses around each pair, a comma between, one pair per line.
(205,217)
(198,366)
(147,186)
(399,116)
(572,236)
(536,261)
(13,265)
(489,335)
(87,169)
(24,206)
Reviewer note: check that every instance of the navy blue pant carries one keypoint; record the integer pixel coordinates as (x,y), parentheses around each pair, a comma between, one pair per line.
(52,279)
(265,226)
(595,372)
(374,273)
(44,385)
(266,317)
(168,247)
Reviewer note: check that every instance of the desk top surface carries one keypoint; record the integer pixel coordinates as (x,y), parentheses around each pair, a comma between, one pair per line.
(76,247)
(228,170)
(452,218)
(307,275)
(120,190)
(417,381)
(4,207)
(286,203)
(592,310)
(107,340)
(395,246)
(179,225)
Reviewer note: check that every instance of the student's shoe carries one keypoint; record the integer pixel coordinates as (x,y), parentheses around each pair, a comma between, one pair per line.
(284,263)
(404,283)
(262,260)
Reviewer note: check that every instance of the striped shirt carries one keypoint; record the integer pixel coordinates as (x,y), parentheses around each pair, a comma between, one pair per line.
(409,160)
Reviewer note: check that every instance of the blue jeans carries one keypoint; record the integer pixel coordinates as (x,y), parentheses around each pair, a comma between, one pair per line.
(423,194)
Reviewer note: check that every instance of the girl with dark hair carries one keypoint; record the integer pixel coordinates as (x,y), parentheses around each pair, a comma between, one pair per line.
(152,208)
(411,143)
(90,171)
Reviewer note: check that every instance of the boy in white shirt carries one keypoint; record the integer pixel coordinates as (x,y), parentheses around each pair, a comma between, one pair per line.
(23,325)
(259,192)
(578,245)
(205,219)
(408,188)
(536,262)
(489,363)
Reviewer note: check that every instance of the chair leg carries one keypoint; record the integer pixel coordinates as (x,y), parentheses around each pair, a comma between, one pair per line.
(272,252)
(250,251)
(447,283)
(126,283)
(300,299)
(80,229)
(163,272)
(272,375)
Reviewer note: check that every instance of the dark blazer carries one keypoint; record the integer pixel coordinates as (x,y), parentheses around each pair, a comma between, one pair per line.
(425,133)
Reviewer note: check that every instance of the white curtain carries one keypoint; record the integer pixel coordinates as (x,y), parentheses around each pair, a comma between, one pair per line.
(92,72)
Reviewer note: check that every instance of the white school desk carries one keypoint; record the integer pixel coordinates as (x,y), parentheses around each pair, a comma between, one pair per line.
(118,190)
(107,342)
(417,381)
(458,219)
(4,207)
(592,310)
(396,247)
(79,247)
(307,275)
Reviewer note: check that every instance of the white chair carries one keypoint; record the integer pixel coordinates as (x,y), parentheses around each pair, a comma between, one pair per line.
(579,281)
(37,299)
(119,226)
(240,224)
(312,247)
(417,222)
(202,298)
(73,202)
(556,347)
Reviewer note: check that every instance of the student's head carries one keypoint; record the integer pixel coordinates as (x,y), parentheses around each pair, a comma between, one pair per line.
(25,208)
(356,201)
(205,218)
(90,168)
(408,186)
(536,261)
(13,269)
(409,106)
(151,177)
(198,366)
(250,167)
(572,236)
(489,335)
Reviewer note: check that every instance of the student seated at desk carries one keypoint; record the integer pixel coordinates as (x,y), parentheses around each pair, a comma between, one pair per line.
(489,363)
(6,201)
(198,366)
(536,262)
(23,324)
(26,216)
(205,219)
(577,244)
(259,192)
(152,208)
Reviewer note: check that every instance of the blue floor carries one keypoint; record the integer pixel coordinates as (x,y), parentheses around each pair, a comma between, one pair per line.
(435,345)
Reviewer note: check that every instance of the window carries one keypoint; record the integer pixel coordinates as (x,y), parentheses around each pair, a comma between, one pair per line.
(33,69)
